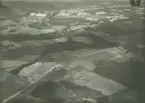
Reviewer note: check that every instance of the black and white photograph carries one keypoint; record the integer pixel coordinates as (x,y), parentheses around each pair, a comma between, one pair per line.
(72,51)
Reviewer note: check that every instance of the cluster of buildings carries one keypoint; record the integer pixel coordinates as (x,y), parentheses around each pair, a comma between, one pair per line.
(115,17)
(94,6)
(73,12)
(35,18)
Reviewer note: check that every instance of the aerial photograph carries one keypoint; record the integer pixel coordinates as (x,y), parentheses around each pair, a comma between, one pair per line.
(72,51)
